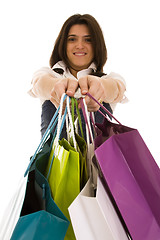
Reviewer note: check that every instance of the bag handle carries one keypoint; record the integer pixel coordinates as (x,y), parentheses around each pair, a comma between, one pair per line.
(86,118)
(60,125)
(71,123)
(62,119)
(106,110)
(48,131)
(79,95)
(74,106)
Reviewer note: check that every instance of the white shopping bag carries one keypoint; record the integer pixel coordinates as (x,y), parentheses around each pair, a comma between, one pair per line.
(12,212)
(94,218)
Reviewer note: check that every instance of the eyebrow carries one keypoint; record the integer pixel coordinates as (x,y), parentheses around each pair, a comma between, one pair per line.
(74,35)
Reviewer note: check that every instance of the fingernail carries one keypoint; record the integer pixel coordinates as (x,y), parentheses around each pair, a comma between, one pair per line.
(69,92)
(84,91)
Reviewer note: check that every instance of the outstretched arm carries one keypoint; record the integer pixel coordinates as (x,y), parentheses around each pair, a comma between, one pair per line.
(46,86)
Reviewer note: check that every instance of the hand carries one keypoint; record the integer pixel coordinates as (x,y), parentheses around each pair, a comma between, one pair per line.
(94,86)
(64,85)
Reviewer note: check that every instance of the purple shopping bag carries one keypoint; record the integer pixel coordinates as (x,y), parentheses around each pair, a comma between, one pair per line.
(132,176)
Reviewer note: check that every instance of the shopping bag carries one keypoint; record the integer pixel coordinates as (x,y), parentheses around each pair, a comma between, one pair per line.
(12,212)
(81,143)
(133,177)
(94,217)
(64,179)
(40,217)
(82,149)
(65,169)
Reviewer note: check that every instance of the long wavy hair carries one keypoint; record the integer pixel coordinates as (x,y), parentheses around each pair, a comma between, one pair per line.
(99,46)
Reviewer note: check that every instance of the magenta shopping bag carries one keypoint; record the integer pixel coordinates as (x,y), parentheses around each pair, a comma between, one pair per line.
(133,178)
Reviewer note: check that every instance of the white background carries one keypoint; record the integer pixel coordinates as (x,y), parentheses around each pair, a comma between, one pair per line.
(27,34)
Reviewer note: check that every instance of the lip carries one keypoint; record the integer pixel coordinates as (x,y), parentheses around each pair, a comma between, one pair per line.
(79,54)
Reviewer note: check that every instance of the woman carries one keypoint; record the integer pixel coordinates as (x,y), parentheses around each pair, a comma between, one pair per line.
(77,60)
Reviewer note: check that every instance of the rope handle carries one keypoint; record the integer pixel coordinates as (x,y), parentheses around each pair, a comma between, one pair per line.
(79,95)
(106,110)
(48,131)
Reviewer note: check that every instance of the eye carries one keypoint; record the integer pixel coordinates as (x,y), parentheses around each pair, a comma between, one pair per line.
(89,40)
(71,39)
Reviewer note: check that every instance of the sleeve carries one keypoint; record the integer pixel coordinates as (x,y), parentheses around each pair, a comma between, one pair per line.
(42,71)
(121,84)
(36,84)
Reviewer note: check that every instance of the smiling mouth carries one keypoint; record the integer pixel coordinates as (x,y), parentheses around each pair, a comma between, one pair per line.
(79,54)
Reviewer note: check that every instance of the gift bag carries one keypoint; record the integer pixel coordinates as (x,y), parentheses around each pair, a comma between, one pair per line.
(64,179)
(94,217)
(40,217)
(133,177)
(12,212)
(65,169)
(92,213)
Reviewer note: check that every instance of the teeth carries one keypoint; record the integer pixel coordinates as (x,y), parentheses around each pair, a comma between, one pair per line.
(79,54)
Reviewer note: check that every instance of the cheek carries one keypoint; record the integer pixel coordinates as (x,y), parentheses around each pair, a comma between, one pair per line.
(91,52)
(69,51)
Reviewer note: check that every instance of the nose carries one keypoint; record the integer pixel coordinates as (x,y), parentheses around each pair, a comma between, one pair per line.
(80,44)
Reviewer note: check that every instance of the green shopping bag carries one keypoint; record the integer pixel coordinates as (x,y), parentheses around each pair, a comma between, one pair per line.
(81,144)
(64,179)
(82,149)
(67,171)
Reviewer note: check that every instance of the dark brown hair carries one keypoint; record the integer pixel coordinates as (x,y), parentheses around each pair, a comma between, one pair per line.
(99,47)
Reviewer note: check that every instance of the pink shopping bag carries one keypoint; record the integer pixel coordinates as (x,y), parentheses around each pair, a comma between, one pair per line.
(133,177)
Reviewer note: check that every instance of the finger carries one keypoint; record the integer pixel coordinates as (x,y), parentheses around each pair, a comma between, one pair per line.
(98,95)
(90,107)
(84,85)
(93,109)
(93,106)
(54,101)
(59,88)
(92,85)
(96,89)
(72,86)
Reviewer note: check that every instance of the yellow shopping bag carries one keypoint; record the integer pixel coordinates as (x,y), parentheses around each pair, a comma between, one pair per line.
(66,170)
(64,178)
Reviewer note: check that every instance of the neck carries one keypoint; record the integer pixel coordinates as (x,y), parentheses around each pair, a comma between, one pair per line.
(74,71)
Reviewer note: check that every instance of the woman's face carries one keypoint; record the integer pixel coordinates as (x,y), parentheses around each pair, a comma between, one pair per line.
(79,48)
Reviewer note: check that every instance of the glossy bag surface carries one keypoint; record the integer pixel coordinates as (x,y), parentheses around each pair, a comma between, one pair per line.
(40,216)
(64,179)
(94,217)
(12,212)
(132,176)
(39,225)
